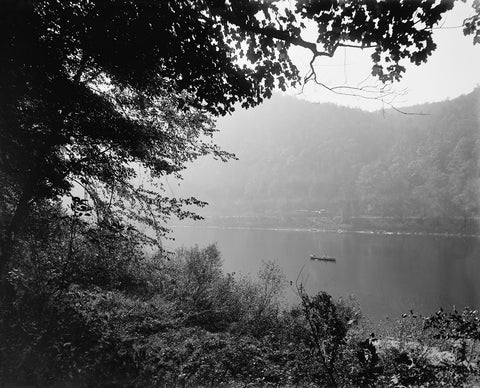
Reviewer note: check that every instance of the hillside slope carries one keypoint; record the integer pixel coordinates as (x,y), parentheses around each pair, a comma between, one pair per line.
(295,155)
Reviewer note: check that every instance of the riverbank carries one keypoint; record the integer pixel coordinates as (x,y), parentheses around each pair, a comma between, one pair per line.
(417,226)
(189,323)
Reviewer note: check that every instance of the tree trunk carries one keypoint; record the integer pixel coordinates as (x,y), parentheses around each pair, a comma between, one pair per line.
(16,223)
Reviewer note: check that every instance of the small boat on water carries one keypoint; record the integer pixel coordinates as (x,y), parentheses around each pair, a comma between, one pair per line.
(322,258)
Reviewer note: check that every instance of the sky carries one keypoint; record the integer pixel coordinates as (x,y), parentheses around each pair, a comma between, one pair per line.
(452,70)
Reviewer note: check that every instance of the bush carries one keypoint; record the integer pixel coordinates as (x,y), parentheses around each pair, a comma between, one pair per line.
(88,309)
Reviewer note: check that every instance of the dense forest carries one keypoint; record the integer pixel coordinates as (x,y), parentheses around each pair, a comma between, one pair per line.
(295,155)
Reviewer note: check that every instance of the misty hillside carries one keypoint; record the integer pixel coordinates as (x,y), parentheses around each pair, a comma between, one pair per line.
(295,155)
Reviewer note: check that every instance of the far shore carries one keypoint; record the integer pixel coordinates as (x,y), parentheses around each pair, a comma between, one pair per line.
(201,225)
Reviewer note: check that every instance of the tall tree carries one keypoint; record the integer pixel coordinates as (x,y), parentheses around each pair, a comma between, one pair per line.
(88,89)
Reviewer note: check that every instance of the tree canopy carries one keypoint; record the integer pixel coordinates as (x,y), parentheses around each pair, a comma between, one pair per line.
(89,90)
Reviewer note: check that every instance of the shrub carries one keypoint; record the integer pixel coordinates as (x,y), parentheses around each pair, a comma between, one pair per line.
(88,309)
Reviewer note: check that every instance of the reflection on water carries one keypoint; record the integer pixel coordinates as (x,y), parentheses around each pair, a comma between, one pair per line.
(388,275)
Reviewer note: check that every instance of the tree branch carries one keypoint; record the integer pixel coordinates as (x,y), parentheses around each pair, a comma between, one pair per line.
(270,32)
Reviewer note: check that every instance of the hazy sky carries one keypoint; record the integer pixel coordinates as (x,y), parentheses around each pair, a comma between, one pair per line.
(452,70)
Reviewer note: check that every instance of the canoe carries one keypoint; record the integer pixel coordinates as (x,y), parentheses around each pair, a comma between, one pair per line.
(322,258)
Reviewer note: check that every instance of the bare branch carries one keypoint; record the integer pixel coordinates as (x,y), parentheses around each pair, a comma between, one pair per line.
(356,46)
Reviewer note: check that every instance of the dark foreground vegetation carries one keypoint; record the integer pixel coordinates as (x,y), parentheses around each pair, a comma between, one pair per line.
(86,308)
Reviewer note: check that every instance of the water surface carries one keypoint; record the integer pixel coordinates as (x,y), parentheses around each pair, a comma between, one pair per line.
(387,275)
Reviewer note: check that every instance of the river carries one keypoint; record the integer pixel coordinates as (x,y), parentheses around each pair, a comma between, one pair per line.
(386,274)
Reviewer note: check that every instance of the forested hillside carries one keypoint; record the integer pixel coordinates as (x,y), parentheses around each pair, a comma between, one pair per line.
(295,155)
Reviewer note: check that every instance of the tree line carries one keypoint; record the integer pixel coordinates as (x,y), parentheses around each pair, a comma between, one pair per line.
(348,162)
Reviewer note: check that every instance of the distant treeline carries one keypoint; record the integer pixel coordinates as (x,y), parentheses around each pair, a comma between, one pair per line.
(296,155)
